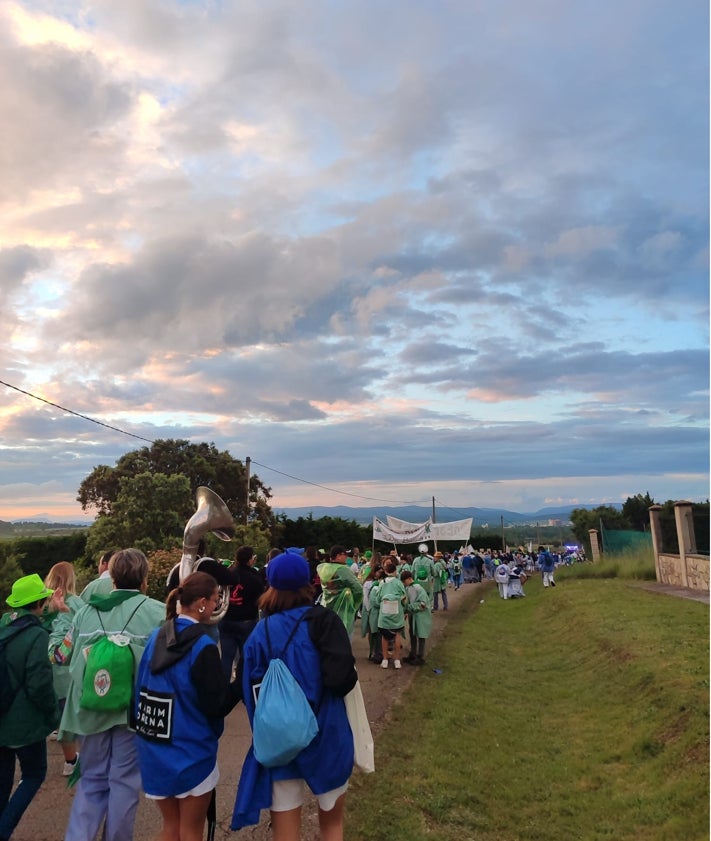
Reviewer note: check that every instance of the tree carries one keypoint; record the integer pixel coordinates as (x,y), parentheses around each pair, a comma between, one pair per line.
(200,464)
(10,571)
(324,532)
(583,520)
(636,510)
(150,512)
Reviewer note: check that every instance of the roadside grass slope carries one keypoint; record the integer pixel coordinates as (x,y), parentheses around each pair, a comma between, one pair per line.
(580,712)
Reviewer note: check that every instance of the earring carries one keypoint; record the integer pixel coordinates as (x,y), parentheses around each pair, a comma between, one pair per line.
(201,609)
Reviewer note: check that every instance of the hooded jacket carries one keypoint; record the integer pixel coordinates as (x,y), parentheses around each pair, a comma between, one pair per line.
(319,656)
(180,700)
(34,712)
(122,611)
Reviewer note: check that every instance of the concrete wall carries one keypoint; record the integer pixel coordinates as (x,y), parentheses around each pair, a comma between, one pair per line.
(688,568)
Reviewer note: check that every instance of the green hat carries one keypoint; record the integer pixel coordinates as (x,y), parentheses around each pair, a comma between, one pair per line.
(368,554)
(28,589)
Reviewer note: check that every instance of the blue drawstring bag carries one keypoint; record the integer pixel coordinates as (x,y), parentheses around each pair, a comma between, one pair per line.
(284,723)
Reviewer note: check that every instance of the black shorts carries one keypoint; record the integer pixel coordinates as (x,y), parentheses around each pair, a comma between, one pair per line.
(390,633)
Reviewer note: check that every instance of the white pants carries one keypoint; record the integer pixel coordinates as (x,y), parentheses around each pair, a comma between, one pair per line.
(547,578)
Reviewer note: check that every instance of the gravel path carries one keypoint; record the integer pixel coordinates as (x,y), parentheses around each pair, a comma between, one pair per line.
(46,818)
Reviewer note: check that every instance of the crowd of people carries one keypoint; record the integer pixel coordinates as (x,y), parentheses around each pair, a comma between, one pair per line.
(136,689)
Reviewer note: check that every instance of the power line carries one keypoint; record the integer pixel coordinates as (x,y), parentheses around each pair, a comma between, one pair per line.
(76,414)
(151,441)
(333,490)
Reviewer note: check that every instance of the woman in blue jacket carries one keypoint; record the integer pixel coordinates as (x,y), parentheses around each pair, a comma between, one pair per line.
(319,657)
(181,699)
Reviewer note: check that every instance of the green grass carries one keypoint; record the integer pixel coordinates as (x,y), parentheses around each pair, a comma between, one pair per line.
(580,712)
(633,564)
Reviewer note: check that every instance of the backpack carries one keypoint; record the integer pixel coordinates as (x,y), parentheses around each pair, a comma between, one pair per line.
(284,723)
(108,675)
(456,567)
(422,572)
(8,692)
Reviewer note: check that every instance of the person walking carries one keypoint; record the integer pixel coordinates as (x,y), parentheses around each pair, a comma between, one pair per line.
(313,643)
(341,590)
(181,698)
(423,572)
(33,713)
(246,586)
(546,563)
(389,600)
(440,581)
(110,781)
(102,583)
(419,620)
(61,577)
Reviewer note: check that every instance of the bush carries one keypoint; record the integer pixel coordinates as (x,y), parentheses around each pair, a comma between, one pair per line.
(160,564)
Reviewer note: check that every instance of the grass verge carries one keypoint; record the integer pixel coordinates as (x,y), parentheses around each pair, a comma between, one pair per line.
(579,712)
(632,564)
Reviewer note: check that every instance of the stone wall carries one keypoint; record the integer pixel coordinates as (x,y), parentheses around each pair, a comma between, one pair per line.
(688,568)
(669,571)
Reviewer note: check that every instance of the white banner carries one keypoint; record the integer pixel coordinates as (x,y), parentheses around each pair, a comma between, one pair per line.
(381,531)
(403,525)
(456,530)
(400,531)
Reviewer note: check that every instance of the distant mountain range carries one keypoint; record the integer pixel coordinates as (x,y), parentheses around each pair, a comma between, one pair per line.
(418,513)
(364,516)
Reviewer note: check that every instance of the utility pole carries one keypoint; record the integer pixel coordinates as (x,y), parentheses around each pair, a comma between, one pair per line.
(247,465)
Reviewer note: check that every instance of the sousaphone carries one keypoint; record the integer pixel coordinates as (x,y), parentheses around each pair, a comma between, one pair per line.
(214,516)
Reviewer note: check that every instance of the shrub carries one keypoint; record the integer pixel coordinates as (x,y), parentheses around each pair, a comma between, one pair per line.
(160,564)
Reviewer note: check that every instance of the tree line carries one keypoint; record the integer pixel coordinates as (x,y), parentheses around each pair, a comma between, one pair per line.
(147,497)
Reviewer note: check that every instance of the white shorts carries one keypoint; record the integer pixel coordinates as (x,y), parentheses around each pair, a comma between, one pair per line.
(289,794)
(201,788)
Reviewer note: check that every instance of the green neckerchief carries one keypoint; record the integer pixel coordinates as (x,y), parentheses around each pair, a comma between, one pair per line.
(108,601)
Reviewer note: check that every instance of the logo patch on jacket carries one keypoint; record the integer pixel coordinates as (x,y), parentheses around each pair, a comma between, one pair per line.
(155,715)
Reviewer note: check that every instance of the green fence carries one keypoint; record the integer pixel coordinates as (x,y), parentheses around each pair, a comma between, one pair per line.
(615,542)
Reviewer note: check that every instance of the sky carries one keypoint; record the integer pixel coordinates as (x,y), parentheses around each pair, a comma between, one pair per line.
(389,251)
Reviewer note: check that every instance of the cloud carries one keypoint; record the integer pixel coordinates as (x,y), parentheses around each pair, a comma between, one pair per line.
(483,252)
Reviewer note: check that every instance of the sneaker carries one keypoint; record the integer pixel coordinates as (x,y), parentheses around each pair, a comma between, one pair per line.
(397,664)
(384,664)
(69,767)
(552,583)
(419,661)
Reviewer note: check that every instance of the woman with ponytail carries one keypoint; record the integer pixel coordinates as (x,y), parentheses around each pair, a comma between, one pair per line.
(181,699)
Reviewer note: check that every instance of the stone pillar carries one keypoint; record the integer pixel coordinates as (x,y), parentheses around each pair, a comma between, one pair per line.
(685,534)
(594,544)
(655,526)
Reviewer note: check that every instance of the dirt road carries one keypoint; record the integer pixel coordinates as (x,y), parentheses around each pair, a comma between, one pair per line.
(46,818)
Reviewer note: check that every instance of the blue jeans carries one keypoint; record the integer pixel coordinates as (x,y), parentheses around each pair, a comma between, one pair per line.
(109,787)
(33,766)
(233,636)
(445,603)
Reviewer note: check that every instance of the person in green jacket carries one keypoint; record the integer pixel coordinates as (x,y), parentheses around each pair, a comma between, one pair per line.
(61,577)
(423,570)
(110,781)
(103,583)
(388,599)
(342,592)
(419,619)
(33,713)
